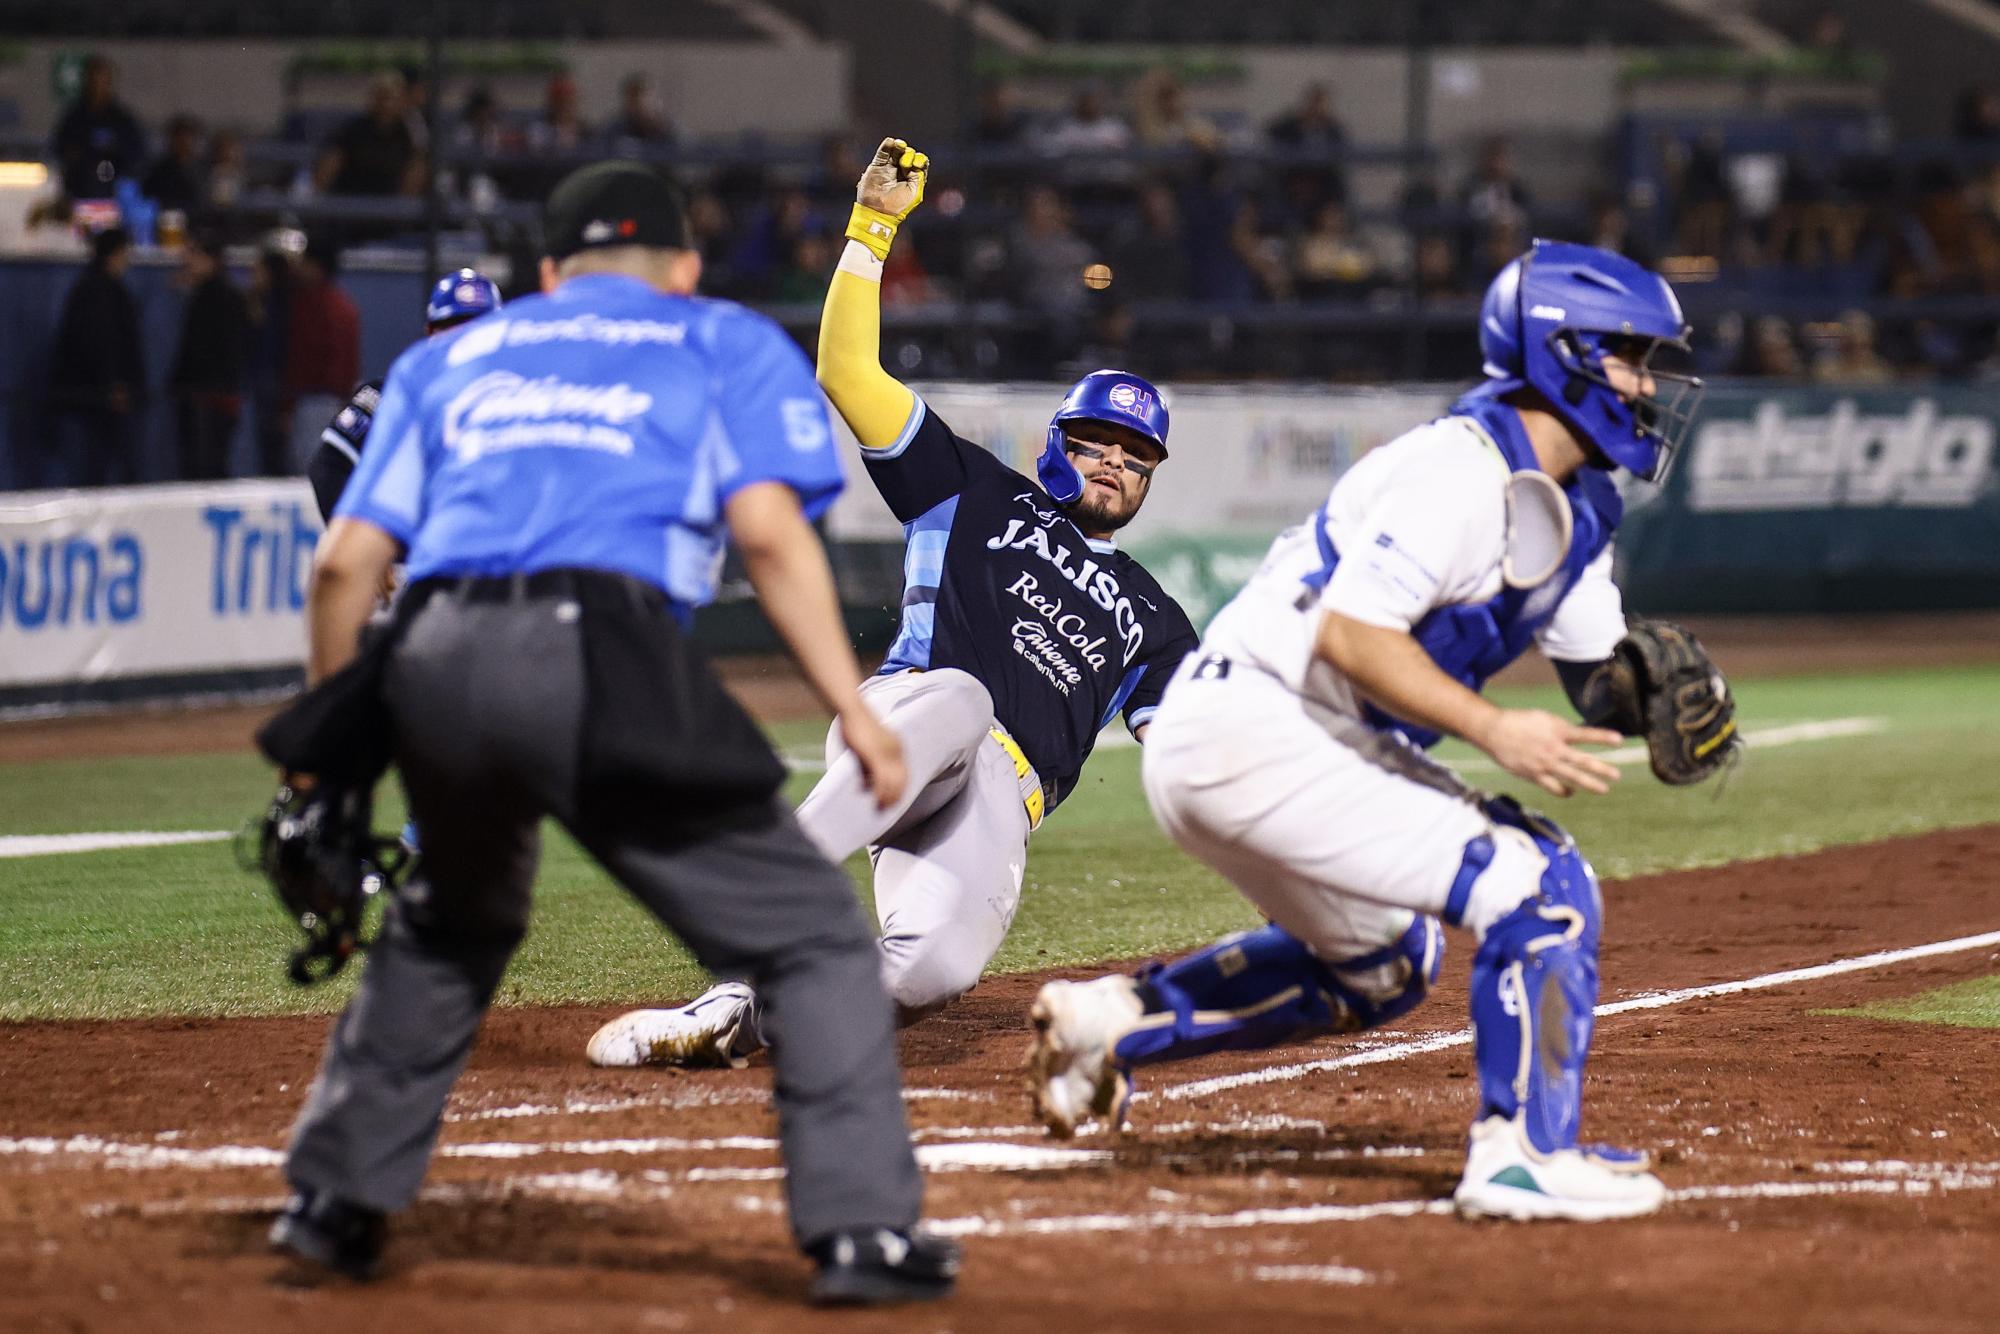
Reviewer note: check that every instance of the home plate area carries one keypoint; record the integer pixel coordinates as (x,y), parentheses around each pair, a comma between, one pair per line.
(1826,1170)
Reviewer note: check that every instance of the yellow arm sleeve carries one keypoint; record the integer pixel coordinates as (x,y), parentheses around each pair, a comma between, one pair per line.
(874,404)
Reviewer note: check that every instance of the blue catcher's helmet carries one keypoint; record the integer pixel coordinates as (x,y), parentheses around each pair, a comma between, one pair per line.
(458,297)
(1117,397)
(1547,322)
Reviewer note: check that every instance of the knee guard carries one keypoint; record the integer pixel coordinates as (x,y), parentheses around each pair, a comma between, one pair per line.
(1534,987)
(1260,987)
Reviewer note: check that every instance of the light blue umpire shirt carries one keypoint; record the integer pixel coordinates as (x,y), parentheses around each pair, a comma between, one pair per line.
(601,427)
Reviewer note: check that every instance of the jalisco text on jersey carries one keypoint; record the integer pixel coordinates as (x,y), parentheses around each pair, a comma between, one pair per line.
(1100,585)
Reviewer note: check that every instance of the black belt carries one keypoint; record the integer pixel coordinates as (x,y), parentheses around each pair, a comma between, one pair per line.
(541,584)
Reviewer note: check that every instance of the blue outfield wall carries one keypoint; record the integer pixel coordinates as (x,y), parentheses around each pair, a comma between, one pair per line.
(31,301)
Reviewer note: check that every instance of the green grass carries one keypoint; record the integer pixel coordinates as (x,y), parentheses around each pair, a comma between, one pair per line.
(182,930)
(1973,1004)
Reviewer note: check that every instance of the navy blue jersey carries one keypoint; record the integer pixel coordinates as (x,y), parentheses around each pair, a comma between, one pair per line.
(1064,632)
(340,446)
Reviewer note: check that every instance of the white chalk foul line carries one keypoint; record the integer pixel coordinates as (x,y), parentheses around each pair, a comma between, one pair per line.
(1653,1001)
(1760,738)
(43,845)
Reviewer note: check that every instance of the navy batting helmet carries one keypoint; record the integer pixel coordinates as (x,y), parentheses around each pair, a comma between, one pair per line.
(458,297)
(1119,398)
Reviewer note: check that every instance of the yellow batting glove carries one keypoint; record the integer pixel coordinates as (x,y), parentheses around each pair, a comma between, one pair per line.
(889,191)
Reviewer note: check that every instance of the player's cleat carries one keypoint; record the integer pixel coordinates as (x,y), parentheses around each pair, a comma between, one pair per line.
(716,1029)
(327,1230)
(1072,1070)
(1507,1177)
(881,1267)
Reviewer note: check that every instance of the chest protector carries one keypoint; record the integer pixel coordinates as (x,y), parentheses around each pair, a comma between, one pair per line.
(1470,642)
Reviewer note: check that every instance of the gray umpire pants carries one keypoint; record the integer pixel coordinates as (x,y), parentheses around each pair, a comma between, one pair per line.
(488,700)
(950,855)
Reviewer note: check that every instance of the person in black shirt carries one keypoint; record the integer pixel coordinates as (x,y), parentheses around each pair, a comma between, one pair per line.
(209,365)
(98,140)
(1025,631)
(374,154)
(177,179)
(97,377)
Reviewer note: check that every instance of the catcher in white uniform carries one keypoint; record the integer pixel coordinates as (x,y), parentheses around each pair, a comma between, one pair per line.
(1288,750)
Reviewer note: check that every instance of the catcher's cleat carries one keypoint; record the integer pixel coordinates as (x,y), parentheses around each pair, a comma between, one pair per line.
(1507,1177)
(1073,1073)
(716,1029)
(329,1231)
(882,1267)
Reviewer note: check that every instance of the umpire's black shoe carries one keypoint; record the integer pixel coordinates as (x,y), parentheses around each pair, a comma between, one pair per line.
(328,1230)
(880,1266)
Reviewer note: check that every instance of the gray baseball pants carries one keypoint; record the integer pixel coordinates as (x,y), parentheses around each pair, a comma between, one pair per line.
(950,855)
(488,700)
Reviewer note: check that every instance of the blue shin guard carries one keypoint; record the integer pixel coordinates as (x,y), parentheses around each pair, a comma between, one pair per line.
(1534,987)
(1260,987)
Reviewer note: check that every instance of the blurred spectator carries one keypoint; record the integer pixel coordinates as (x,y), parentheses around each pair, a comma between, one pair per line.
(1262,254)
(177,179)
(640,119)
(1311,124)
(807,271)
(1493,191)
(714,238)
(1977,119)
(1001,122)
(227,169)
(905,282)
(1329,260)
(1434,265)
(373,154)
(97,377)
(1771,353)
(209,365)
(832,185)
(417,106)
(1827,35)
(1703,207)
(1854,359)
(1088,128)
(270,311)
(322,349)
(1211,211)
(1311,127)
(1163,119)
(98,141)
(1148,254)
(560,131)
(770,242)
(1045,256)
(479,132)
(1611,229)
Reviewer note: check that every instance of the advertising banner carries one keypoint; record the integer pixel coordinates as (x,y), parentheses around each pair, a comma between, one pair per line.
(153,581)
(1793,499)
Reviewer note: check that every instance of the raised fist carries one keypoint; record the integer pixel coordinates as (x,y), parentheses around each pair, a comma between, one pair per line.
(893,183)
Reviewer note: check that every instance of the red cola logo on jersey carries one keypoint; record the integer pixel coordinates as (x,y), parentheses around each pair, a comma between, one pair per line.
(1083,573)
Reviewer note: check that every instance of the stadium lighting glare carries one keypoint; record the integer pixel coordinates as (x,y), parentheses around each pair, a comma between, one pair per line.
(23,175)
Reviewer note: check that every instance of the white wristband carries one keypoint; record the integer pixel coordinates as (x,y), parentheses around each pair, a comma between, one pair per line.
(860,261)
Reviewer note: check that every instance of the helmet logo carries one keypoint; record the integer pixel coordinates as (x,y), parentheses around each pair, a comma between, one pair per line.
(1123,396)
(467,293)
(1548,312)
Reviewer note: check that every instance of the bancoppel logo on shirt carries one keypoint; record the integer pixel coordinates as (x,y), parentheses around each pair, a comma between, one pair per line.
(503,411)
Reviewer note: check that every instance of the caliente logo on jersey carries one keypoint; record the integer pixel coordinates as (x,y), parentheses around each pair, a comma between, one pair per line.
(502,411)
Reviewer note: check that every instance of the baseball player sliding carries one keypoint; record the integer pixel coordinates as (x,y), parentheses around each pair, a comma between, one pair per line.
(1024,631)
(1286,752)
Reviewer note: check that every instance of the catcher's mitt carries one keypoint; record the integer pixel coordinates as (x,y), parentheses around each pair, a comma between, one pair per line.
(1662,686)
(323,861)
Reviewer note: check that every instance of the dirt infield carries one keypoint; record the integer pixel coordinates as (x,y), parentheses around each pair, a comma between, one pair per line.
(1829,1172)
(771,688)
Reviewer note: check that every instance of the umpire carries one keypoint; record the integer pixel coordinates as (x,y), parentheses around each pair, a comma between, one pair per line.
(561,476)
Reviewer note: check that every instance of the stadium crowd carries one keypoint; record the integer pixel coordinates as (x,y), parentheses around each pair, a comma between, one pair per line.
(1119,225)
